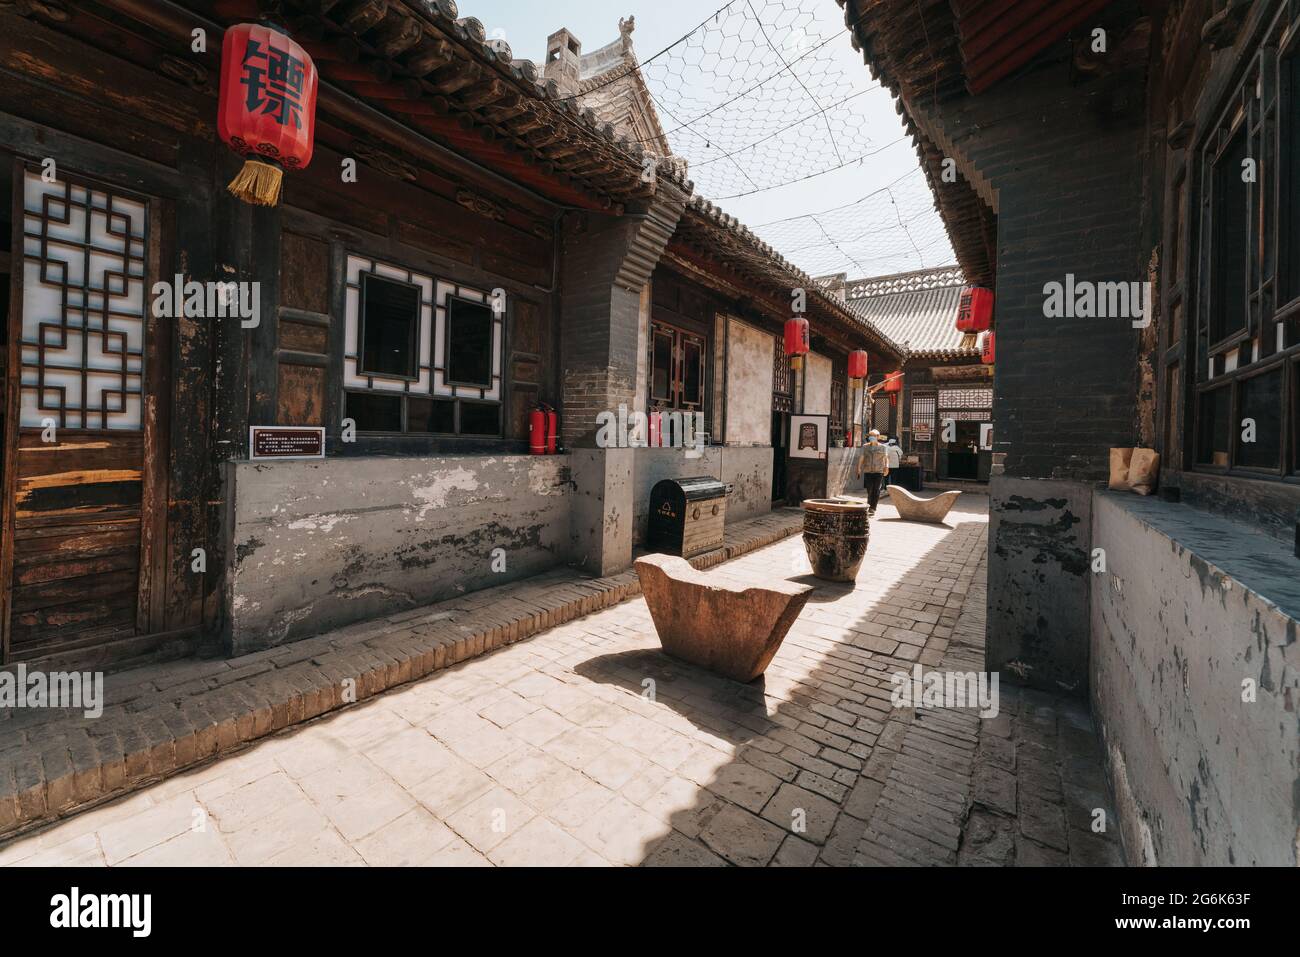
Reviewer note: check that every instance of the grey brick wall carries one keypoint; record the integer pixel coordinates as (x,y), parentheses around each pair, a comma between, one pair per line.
(1067,162)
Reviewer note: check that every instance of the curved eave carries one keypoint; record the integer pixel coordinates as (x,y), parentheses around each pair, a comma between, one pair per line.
(438,74)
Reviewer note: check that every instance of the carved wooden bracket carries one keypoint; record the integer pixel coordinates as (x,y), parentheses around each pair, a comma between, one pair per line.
(387,163)
(479,204)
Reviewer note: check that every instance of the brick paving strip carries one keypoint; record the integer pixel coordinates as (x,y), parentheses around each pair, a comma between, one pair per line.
(1017,789)
(162,719)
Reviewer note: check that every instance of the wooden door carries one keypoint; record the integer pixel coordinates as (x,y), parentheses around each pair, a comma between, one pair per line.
(82,463)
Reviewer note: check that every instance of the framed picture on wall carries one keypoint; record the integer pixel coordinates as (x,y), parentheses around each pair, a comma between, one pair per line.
(809,436)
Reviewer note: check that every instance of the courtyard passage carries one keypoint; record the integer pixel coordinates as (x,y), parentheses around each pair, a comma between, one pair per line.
(586,745)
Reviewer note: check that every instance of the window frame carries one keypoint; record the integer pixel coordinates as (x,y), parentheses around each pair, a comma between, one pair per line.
(1256,106)
(447,378)
(414,344)
(430,383)
(679,336)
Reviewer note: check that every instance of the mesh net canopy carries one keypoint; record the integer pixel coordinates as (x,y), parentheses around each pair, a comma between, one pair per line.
(760,96)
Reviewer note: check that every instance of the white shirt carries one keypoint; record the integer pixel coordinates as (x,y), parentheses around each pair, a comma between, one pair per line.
(895,455)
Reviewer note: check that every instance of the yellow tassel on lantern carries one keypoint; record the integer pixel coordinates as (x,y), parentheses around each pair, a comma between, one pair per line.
(258,183)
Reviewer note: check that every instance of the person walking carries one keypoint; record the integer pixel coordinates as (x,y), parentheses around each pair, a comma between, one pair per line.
(895,456)
(874,464)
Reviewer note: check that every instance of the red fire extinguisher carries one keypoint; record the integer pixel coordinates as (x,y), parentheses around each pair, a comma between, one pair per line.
(543,430)
(537,431)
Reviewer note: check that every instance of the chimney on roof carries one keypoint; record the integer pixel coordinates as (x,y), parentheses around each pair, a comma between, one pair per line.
(562,52)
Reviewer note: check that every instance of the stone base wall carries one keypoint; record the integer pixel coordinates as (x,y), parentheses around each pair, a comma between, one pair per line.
(1192,615)
(841,464)
(1039,551)
(320,544)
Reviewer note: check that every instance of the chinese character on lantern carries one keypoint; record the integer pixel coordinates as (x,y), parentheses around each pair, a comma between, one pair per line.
(276,87)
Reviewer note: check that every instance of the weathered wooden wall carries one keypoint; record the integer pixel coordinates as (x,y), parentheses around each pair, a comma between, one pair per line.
(128,108)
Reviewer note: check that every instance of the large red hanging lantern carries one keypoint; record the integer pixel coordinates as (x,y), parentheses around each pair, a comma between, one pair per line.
(986,354)
(796,341)
(858,365)
(267,108)
(975,311)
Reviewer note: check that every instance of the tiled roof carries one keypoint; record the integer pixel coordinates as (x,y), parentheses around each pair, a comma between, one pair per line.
(728,240)
(917,310)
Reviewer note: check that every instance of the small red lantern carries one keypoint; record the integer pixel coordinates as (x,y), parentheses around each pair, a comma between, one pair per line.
(267,108)
(893,386)
(858,365)
(975,312)
(796,341)
(986,355)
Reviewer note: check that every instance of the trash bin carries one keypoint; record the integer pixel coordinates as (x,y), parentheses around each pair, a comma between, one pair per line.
(687,515)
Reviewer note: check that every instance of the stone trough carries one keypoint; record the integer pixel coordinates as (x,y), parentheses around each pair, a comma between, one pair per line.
(913,508)
(731,631)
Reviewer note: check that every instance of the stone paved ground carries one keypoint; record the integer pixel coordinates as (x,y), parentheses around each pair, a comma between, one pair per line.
(585,745)
(177,715)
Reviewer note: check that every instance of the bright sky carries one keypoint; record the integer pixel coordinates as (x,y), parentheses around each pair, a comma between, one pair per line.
(780,119)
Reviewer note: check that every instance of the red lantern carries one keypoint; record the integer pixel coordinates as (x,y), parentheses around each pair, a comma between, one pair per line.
(986,355)
(893,386)
(975,312)
(796,341)
(858,365)
(267,108)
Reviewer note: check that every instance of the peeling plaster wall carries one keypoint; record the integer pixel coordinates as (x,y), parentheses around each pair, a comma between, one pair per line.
(749,385)
(1039,548)
(840,466)
(1179,621)
(320,544)
(817,385)
(749,472)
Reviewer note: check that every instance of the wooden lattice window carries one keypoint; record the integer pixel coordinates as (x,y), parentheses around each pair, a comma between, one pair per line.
(923,414)
(965,399)
(84,305)
(881,414)
(838,401)
(782,380)
(677,368)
